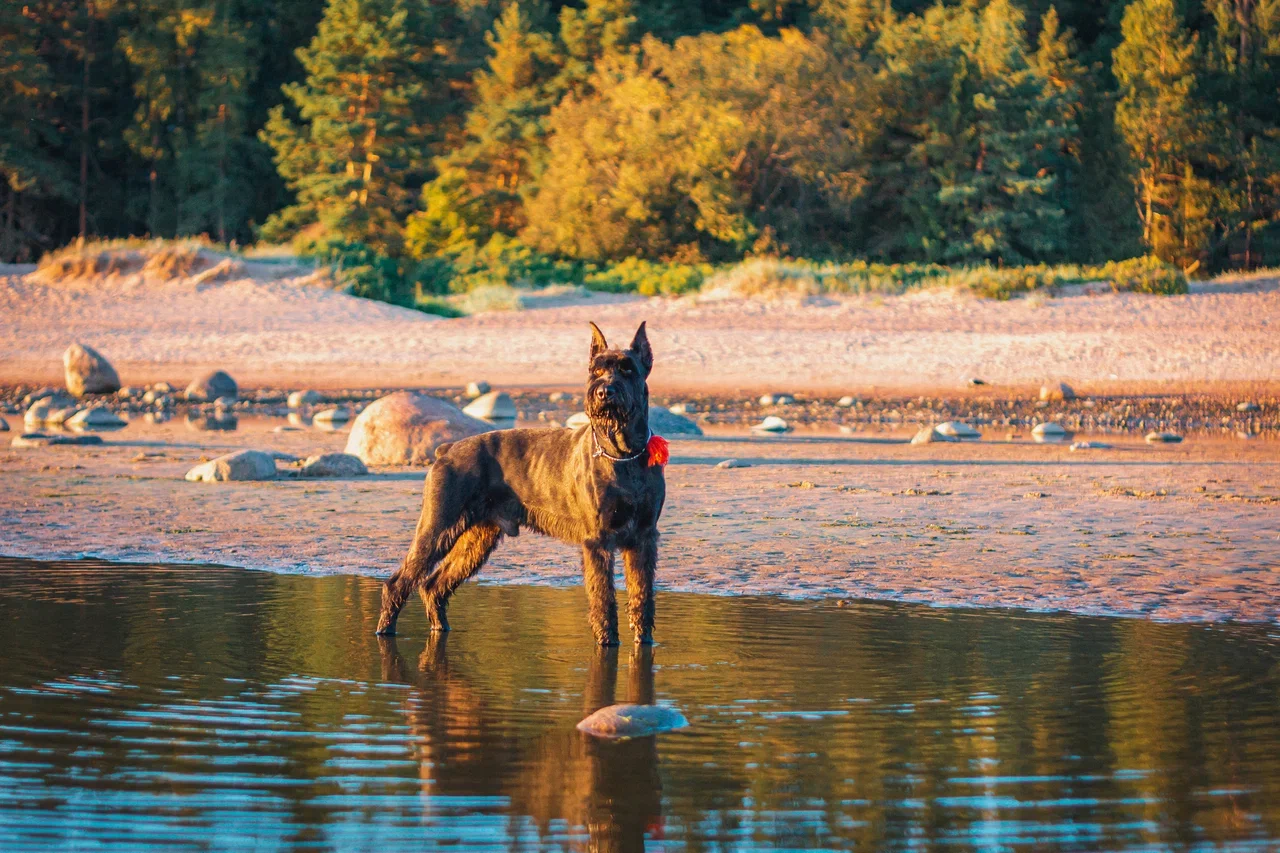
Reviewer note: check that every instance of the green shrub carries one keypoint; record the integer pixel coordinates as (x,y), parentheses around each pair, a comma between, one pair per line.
(1146,274)
(636,275)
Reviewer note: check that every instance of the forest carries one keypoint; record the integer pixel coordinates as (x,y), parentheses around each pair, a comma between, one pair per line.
(450,143)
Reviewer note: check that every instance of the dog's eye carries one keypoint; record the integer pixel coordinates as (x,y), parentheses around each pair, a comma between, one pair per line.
(626,368)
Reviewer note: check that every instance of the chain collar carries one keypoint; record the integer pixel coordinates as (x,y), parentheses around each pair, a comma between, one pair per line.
(599,451)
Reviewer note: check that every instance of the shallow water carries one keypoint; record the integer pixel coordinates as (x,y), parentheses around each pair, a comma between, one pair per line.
(213,708)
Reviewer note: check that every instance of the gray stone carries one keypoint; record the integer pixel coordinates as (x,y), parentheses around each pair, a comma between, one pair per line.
(211,386)
(224,403)
(1057,391)
(492,406)
(88,372)
(664,422)
(930,435)
(772,423)
(405,429)
(777,400)
(234,467)
(130,392)
(958,429)
(96,417)
(733,463)
(560,397)
(1090,445)
(161,388)
(305,398)
(1163,438)
(333,465)
(41,393)
(4,425)
(1048,432)
(846,402)
(631,721)
(681,408)
(478,389)
(40,439)
(338,414)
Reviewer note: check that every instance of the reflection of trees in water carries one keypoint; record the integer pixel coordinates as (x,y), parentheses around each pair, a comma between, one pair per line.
(464,748)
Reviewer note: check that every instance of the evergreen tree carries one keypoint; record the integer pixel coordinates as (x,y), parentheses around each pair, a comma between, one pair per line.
(1162,121)
(362,136)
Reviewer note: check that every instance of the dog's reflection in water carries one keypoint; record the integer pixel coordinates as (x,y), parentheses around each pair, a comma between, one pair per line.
(465,749)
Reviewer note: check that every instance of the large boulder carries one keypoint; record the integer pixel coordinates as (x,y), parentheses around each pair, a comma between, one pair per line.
(665,422)
(406,428)
(211,386)
(241,465)
(87,372)
(333,465)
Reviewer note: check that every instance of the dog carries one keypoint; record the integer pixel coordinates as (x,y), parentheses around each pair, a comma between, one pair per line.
(599,486)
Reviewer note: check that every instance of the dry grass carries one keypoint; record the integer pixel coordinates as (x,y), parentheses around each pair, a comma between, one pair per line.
(164,260)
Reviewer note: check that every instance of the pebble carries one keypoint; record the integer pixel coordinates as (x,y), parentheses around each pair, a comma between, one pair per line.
(777,400)
(846,402)
(958,429)
(733,463)
(1048,432)
(772,423)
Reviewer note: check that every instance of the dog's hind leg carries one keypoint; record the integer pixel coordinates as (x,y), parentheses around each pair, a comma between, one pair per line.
(640,564)
(602,607)
(466,557)
(439,527)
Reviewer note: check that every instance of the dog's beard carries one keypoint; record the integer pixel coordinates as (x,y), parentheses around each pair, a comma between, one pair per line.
(618,414)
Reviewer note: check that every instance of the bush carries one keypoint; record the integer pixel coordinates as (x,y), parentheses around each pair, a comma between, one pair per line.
(635,275)
(366,273)
(1147,274)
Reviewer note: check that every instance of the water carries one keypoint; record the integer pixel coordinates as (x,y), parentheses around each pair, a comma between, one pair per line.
(217,709)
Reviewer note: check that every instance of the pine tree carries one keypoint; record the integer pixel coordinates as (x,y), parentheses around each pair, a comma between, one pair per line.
(362,136)
(482,183)
(1162,121)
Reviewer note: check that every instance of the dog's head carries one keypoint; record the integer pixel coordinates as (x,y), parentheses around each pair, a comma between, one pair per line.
(617,395)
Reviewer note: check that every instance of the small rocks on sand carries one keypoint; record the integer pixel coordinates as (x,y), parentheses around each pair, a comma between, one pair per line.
(40,439)
(930,435)
(560,397)
(88,372)
(1247,407)
(338,414)
(1090,445)
(406,428)
(958,429)
(492,406)
(130,392)
(305,398)
(681,408)
(772,423)
(777,400)
(847,402)
(733,463)
(333,465)
(96,417)
(242,465)
(161,388)
(224,403)
(665,422)
(578,419)
(1048,432)
(630,721)
(1163,438)
(211,386)
(478,389)
(1057,391)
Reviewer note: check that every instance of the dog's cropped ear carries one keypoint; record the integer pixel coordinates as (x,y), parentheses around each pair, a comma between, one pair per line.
(640,346)
(598,343)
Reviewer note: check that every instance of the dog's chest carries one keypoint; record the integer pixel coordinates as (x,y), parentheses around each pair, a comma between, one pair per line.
(625,509)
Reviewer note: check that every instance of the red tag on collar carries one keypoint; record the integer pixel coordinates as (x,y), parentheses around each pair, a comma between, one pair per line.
(659,451)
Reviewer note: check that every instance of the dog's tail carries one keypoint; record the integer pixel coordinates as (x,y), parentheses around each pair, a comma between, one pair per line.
(442,450)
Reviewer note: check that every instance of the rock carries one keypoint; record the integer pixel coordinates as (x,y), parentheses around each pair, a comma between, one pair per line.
(664,422)
(305,398)
(234,467)
(560,397)
(4,425)
(579,419)
(681,408)
(338,414)
(1048,432)
(1057,391)
(161,388)
(733,463)
(88,372)
(281,456)
(39,439)
(96,417)
(478,389)
(777,400)
(1090,445)
(130,392)
(211,386)
(37,414)
(156,417)
(976,381)
(333,465)
(217,422)
(628,721)
(773,423)
(1247,407)
(1163,438)
(224,403)
(846,402)
(287,428)
(958,429)
(930,435)
(492,406)
(40,393)
(406,428)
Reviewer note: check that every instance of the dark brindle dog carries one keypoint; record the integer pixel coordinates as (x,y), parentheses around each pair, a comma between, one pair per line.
(593,486)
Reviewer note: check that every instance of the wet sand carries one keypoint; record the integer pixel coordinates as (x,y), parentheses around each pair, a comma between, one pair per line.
(1180,532)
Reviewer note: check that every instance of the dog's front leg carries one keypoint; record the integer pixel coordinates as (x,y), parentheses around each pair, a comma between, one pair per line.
(602,607)
(640,563)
